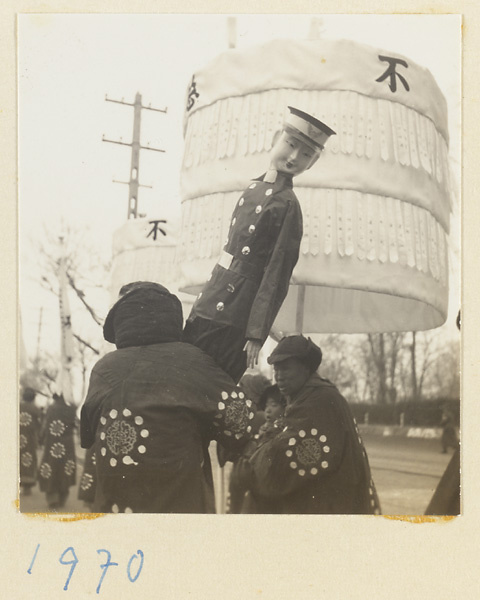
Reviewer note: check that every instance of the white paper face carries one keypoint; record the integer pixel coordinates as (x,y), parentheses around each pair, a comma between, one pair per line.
(290,155)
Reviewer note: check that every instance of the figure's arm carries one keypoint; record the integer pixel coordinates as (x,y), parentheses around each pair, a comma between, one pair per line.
(276,278)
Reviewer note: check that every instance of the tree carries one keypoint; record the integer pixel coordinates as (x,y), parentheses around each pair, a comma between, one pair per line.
(443,377)
(421,361)
(339,363)
(86,275)
(385,349)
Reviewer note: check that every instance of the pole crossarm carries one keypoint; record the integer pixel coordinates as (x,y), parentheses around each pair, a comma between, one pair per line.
(149,107)
(136,146)
(150,148)
(104,139)
(128,183)
(122,101)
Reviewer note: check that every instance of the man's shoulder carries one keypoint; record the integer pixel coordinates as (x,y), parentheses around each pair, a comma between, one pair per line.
(129,355)
(321,388)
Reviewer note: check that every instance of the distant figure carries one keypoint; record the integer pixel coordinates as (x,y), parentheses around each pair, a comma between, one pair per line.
(232,317)
(153,406)
(58,468)
(449,437)
(30,423)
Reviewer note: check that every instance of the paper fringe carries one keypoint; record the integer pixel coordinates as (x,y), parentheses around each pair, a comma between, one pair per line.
(370,228)
(366,127)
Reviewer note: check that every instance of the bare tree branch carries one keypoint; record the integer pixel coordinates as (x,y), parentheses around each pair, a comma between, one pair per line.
(82,341)
(81,296)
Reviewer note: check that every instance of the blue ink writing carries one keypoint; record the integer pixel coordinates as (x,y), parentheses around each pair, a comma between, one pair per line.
(105,567)
(139,570)
(69,557)
(35,556)
(69,562)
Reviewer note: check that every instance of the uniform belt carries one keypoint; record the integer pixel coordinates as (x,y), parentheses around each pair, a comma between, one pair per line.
(241,267)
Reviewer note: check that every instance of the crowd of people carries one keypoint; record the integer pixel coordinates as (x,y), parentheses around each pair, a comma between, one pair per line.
(54,431)
(156,402)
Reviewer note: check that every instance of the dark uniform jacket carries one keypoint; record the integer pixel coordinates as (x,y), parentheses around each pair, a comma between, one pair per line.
(318,463)
(250,281)
(151,412)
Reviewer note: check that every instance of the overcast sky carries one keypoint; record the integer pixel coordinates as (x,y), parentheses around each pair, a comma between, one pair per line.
(68,63)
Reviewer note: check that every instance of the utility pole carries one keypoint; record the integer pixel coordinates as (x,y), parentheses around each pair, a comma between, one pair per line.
(39,334)
(133,184)
(232,32)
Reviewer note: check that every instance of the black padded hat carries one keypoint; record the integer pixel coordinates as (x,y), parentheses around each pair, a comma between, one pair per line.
(147,292)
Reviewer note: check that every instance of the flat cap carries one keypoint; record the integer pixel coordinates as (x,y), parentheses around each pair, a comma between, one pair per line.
(297,346)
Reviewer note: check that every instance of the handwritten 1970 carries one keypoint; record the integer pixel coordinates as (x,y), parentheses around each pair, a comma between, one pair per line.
(69,557)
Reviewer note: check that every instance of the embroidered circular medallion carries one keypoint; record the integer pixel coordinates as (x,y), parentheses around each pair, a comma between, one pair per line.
(23,441)
(234,414)
(86,481)
(25,419)
(26,459)
(309,451)
(69,467)
(57,428)
(121,437)
(45,471)
(57,450)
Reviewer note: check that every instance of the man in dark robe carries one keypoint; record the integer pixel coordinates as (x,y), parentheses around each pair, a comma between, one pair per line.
(57,473)
(318,463)
(30,422)
(152,408)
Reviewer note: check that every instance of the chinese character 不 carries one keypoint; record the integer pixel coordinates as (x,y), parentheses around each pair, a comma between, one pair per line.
(390,72)
(153,231)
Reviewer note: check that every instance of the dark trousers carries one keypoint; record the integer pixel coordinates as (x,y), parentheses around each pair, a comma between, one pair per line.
(224,343)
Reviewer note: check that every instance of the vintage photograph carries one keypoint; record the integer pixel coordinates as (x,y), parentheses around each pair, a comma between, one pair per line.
(239,264)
